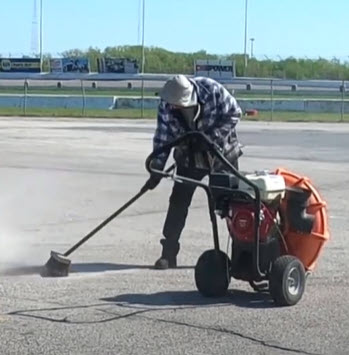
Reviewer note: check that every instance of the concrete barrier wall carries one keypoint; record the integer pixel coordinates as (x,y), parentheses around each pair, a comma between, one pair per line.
(107,102)
(326,106)
(278,105)
(63,101)
(135,102)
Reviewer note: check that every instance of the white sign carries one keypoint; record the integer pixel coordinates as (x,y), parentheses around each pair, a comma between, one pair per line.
(215,69)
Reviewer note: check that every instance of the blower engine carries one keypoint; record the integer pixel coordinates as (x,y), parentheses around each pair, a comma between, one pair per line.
(241,222)
(239,212)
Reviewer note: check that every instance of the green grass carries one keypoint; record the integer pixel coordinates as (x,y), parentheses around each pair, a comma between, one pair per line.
(148,113)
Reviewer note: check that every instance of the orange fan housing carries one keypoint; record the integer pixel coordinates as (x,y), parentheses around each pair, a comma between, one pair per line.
(306,247)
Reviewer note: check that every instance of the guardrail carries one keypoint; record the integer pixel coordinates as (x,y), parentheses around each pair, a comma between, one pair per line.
(320,84)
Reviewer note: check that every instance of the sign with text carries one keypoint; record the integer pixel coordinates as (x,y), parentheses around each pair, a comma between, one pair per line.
(117,65)
(20,65)
(69,65)
(215,69)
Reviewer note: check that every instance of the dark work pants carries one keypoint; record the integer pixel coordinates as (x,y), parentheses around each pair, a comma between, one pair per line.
(180,200)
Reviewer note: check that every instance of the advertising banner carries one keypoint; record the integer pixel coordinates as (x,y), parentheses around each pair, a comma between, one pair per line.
(56,66)
(215,69)
(20,65)
(117,65)
(69,65)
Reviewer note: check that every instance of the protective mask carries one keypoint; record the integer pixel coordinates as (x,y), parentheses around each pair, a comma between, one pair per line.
(189,113)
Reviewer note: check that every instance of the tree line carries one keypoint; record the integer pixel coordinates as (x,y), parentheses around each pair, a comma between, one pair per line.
(159,60)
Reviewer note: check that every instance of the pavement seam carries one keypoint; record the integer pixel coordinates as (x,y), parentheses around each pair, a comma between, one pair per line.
(65,320)
(231,332)
(138,313)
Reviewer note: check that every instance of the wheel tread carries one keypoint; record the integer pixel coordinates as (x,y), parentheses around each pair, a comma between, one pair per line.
(276,280)
(211,273)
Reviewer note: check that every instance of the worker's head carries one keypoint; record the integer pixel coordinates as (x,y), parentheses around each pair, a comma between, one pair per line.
(179,92)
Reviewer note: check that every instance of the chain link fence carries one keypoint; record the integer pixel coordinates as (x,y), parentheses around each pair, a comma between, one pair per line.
(271,100)
(275,101)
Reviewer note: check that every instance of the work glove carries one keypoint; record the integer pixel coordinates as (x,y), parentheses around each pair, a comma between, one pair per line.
(154,178)
(152,182)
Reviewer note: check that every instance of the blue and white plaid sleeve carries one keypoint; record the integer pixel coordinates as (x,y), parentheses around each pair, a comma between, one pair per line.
(222,111)
(227,106)
(163,134)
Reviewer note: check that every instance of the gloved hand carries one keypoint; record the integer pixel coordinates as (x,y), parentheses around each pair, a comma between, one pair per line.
(152,182)
(154,178)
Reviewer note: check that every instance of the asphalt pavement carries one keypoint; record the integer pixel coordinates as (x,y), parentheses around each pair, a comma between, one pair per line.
(59,178)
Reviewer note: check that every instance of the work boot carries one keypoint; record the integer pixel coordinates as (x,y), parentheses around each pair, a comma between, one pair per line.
(165,263)
(168,257)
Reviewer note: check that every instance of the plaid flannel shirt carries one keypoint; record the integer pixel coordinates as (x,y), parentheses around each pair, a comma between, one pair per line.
(219,116)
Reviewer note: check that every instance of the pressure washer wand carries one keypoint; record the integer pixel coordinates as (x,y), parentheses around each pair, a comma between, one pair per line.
(105,222)
(143,190)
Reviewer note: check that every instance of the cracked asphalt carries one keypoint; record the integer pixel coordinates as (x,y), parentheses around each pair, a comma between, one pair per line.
(61,177)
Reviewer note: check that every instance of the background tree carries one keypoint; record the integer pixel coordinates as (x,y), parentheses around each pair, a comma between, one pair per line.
(160,60)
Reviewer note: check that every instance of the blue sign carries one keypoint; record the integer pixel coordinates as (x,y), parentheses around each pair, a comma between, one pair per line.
(70,65)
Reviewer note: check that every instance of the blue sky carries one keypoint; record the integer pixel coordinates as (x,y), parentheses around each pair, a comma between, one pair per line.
(300,28)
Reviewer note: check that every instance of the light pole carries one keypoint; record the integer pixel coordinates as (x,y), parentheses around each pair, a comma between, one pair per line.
(143,59)
(252,40)
(245,44)
(139,22)
(41,16)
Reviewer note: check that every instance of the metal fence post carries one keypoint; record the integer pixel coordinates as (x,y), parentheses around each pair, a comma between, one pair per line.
(342,104)
(25,97)
(271,100)
(142,98)
(143,57)
(83,98)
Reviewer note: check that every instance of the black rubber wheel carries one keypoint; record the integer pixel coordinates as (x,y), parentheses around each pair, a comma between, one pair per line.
(287,280)
(212,275)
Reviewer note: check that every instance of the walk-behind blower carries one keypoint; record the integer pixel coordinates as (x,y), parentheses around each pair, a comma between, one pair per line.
(277,223)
